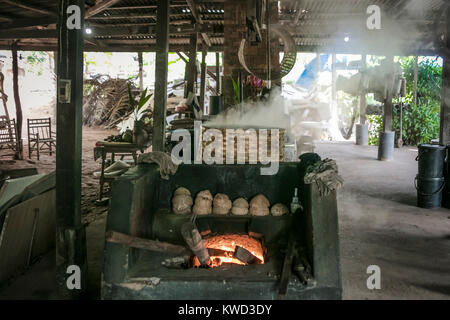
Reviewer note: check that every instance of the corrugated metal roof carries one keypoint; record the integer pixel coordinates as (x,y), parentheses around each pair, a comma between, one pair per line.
(312,23)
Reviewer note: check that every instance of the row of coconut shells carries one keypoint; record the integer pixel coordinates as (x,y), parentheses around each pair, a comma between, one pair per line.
(222,205)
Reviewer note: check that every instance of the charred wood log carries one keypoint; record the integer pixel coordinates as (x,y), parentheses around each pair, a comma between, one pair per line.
(195,242)
(146,244)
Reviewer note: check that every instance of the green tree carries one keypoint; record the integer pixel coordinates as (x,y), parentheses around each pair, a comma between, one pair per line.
(421,121)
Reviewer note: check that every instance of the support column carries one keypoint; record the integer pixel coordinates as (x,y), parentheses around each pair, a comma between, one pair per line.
(445,107)
(218,89)
(416,69)
(203,78)
(318,67)
(161,71)
(362,130)
(141,71)
(333,80)
(19,116)
(387,136)
(388,106)
(55,71)
(192,67)
(362,98)
(234,31)
(70,233)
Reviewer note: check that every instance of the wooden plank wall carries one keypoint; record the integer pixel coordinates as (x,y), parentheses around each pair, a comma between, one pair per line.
(28,232)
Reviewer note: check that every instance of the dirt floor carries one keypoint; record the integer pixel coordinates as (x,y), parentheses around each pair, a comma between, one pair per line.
(89,184)
(379,224)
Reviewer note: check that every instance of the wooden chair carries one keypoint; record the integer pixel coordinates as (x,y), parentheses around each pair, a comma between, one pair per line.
(8,135)
(40,136)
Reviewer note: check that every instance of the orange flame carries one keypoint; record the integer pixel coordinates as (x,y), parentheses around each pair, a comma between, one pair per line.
(228,244)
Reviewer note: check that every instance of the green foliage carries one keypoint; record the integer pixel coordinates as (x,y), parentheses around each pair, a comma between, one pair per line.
(375,126)
(35,61)
(137,106)
(237,91)
(429,78)
(173,61)
(420,123)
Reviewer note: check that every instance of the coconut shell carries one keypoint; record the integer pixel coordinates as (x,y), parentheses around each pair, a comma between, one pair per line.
(202,206)
(181,204)
(279,209)
(240,203)
(240,207)
(182,191)
(239,211)
(221,204)
(205,194)
(259,206)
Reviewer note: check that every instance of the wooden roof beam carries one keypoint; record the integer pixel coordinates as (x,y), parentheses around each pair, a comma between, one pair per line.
(26,6)
(100,6)
(25,23)
(172,5)
(98,31)
(194,11)
(6,18)
(193,7)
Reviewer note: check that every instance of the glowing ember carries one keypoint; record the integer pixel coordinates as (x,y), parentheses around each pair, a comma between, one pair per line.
(227,244)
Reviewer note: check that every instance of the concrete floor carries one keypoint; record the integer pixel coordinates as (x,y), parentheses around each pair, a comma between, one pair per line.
(379,225)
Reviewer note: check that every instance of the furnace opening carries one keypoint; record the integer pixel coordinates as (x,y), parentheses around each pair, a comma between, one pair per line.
(233,249)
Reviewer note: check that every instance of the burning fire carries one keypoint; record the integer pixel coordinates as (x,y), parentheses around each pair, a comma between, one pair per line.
(227,245)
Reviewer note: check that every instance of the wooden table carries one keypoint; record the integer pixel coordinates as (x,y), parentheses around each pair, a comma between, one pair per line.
(122,149)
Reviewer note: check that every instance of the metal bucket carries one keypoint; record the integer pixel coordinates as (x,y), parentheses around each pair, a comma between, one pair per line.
(431,160)
(429,191)
(215,105)
(446,192)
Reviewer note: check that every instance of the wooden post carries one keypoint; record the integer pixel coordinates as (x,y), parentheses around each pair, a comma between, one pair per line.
(55,71)
(192,68)
(161,70)
(445,107)
(218,73)
(70,233)
(268,55)
(19,116)
(333,79)
(388,106)
(318,65)
(203,77)
(416,68)
(362,97)
(141,71)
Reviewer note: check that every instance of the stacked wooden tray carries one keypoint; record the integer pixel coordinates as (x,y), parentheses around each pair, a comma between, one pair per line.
(252,148)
